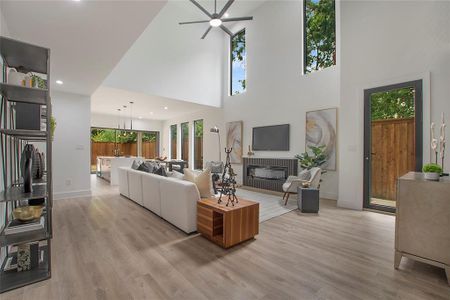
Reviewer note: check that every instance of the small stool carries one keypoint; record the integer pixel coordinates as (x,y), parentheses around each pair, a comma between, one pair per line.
(308,200)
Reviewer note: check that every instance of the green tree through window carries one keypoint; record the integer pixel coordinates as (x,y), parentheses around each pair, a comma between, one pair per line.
(319,34)
(394,104)
(238,63)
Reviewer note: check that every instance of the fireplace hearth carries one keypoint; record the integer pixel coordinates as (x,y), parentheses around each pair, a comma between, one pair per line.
(268,173)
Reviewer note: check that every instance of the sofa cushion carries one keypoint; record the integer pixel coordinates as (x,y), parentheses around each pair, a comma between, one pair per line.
(179,203)
(135,186)
(150,193)
(202,180)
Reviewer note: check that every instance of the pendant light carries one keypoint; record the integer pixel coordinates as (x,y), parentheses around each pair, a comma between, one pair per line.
(131,115)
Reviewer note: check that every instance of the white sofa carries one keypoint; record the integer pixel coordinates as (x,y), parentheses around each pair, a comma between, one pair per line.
(172,199)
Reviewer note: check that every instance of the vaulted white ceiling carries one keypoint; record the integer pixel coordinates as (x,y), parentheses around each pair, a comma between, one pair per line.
(86,38)
(172,61)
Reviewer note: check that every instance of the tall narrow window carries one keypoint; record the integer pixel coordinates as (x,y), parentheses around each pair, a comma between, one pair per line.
(150,144)
(198,144)
(185,141)
(238,67)
(173,141)
(319,34)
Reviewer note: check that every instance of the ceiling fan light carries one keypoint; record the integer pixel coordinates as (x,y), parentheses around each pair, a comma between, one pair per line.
(215,22)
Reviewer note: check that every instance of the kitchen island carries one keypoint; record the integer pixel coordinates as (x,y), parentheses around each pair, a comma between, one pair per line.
(108,166)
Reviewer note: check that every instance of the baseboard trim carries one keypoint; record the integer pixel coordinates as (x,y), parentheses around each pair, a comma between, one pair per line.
(327,195)
(72,194)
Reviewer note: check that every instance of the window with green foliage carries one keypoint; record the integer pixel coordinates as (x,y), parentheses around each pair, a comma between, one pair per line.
(198,144)
(238,67)
(185,141)
(319,34)
(173,141)
(109,142)
(394,104)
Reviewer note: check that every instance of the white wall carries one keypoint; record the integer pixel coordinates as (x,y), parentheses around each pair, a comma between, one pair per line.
(386,42)
(277,91)
(172,61)
(211,117)
(3,28)
(71,145)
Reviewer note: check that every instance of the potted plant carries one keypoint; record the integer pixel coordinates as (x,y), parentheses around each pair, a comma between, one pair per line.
(432,171)
(316,159)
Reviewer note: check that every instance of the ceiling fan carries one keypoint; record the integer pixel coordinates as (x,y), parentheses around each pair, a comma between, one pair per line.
(216,19)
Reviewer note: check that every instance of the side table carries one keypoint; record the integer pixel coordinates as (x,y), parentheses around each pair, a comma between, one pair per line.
(227,225)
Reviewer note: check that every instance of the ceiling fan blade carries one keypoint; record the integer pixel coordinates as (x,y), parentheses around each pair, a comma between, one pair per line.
(226,30)
(224,9)
(207,31)
(193,22)
(201,8)
(237,19)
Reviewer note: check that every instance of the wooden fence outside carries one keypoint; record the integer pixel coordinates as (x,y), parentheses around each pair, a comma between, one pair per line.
(149,150)
(393,155)
(198,152)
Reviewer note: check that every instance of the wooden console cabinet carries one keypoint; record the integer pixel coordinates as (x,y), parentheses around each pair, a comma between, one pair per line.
(422,227)
(227,225)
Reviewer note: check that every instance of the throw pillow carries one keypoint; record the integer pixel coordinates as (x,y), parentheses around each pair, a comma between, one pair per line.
(304,175)
(135,164)
(201,180)
(150,166)
(160,170)
(143,167)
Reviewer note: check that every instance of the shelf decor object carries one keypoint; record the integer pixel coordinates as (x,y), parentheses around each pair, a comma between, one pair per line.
(26,199)
(422,221)
(227,225)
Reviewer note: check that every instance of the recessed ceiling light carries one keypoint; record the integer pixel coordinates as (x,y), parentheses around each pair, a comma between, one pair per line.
(166,108)
(151,113)
(226,15)
(76,0)
(59,82)
(140,117)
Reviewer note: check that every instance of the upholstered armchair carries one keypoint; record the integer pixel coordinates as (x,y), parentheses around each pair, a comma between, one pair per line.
(293,182)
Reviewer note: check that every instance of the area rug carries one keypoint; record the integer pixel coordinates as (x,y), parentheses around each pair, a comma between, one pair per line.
(270,206)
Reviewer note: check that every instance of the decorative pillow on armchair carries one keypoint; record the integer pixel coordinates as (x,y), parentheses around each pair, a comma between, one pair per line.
(304,175)
(202,180)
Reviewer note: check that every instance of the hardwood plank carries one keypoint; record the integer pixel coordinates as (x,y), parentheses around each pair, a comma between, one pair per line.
(107,247)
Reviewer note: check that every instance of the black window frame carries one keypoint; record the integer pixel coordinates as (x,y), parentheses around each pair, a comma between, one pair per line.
(182,141)
(231,60)
(305,53)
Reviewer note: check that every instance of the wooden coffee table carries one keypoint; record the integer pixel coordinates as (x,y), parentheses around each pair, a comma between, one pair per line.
(227,225)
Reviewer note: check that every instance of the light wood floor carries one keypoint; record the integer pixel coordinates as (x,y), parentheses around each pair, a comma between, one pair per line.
(107,247)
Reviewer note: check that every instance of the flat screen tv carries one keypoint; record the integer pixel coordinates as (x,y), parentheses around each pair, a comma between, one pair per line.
(271,138)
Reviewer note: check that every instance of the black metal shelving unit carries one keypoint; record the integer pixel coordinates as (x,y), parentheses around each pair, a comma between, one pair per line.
(36,59)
